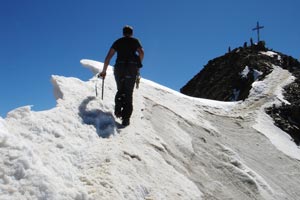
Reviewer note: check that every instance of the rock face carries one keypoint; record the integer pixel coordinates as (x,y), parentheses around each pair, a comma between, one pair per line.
(229,78)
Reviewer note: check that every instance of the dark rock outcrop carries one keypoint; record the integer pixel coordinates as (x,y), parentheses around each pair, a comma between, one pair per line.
(226,78)
(229,78)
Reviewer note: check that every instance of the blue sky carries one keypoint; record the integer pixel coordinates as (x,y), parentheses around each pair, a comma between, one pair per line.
(39,38)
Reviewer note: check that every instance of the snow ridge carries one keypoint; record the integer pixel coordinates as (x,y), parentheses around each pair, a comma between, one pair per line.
(176,147)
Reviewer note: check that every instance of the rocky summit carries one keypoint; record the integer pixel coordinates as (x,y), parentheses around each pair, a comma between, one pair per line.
(230,77)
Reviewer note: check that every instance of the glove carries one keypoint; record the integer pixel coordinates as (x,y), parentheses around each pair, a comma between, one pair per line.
(102,74)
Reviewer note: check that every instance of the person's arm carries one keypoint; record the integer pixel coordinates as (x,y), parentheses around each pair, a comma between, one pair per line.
(109,55)
(141,53)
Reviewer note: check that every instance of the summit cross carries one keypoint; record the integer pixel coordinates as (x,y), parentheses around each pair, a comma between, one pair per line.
(257,29)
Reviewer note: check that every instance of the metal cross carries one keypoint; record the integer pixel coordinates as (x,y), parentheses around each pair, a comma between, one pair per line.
(257,28)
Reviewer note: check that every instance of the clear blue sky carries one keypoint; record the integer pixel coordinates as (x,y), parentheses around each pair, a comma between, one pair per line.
(39,38)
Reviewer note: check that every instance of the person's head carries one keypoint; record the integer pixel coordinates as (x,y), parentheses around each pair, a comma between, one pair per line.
(127,31)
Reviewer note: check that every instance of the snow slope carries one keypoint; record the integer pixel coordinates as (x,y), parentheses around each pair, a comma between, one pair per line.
(176,147)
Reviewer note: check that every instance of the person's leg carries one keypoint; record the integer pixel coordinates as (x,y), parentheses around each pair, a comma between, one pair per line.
(119,78)
(127,100)
(125,76)
(119,104)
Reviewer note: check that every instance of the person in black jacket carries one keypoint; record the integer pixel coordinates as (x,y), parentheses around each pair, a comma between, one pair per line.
(130,55)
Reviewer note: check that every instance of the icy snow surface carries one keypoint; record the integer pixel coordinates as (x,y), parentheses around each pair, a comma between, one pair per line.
(246,71)
(269,53)
(176,147)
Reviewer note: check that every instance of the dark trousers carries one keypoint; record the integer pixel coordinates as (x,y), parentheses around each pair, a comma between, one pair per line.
(125,76)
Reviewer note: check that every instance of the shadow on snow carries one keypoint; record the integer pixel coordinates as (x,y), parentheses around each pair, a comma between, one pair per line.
(104,122)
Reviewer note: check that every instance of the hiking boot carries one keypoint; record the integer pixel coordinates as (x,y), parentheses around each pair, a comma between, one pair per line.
(125,122)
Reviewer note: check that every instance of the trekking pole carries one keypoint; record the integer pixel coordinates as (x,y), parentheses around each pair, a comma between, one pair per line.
(137,80)
(96,88)
(102,88)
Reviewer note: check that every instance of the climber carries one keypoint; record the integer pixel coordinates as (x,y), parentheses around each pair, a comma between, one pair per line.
(130,55)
